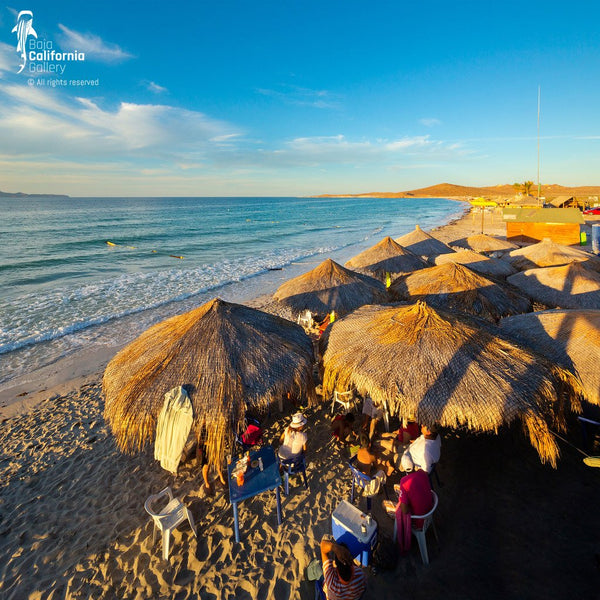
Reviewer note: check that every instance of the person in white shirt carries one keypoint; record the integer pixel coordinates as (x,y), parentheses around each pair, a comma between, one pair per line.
(293,439)
(425,451)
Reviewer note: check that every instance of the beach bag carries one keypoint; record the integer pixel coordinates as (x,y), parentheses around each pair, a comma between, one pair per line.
(385,554)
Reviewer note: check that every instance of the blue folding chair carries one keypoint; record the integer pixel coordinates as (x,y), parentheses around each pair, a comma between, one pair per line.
(293,466)
(360,480)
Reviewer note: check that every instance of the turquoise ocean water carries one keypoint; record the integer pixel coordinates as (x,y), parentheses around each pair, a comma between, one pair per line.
(64,288)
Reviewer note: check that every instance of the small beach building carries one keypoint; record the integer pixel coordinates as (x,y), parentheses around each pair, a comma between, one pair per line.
(561,225)
(563,202)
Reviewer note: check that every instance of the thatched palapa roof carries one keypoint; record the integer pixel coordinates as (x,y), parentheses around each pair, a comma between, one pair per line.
(423,244)
(456,287)
(478,262)
(484,243)
(567,286)
(387,256)
(549,254)
(330,287)
(570,338)
(228,357)
(447,369)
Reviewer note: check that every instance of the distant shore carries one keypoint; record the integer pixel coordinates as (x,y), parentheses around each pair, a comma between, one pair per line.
(464,193)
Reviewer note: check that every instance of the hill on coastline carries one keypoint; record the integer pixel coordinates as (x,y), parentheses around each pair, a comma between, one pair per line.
(23,195)
(451,190)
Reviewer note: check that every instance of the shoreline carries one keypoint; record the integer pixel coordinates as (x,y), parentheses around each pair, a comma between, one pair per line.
(84,364)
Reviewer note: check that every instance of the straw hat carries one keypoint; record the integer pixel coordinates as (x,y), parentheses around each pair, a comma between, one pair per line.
(298,421)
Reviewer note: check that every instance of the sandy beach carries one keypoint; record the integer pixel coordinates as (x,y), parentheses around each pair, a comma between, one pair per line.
(73,525)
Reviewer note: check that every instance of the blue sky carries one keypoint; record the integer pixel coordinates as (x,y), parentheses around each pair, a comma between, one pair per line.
(297,97)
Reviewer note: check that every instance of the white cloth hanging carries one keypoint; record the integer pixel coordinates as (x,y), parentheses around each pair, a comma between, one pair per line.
(173,428)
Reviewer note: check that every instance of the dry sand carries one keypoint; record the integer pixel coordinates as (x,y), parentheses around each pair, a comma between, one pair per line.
(72,522)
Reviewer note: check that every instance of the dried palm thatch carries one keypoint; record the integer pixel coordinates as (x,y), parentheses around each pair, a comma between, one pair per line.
(329,287)
(568,286)
(478,262)
(456,287)
(549,254)
(447,369)
(386,257)
(484,243)
(570,338)
(228,357)
(423,244)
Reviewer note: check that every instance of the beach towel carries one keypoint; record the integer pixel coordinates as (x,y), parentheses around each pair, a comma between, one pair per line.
(173,427)
(403,530)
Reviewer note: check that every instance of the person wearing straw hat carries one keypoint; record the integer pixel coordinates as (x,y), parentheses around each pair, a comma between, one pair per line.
(293,439)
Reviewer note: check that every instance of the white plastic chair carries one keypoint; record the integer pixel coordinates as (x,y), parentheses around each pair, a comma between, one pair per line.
(305,319)
(420,533)
(346,399)
(167,519)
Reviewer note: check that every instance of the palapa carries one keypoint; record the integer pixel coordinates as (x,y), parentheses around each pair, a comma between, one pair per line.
(456,287)
(570,338)
(484,243)
(385,257)
(329,287)
(568,286)
(449,369)
(423,244)
(478,262)
(228,357)
(550,254)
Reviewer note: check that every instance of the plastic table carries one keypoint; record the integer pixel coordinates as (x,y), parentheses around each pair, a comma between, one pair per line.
(255,482)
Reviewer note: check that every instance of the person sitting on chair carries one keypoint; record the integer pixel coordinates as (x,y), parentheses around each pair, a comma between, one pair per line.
(402,436)
(368,463)
(343,580)
(414,498)
(425,451)
(371,416)
(341,427)
(293,439)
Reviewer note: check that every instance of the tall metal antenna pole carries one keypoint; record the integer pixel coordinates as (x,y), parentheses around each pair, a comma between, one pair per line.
(538,148)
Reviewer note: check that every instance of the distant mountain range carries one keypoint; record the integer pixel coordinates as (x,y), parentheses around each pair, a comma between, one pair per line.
(22,195)
(450,190)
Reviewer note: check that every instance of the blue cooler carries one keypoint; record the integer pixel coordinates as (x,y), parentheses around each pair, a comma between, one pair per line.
(346,522)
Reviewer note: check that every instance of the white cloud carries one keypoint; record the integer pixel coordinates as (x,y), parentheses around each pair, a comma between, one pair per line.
(37,122)
(154,87)
(8,58)
(93,46)
(430,122)
(300,96)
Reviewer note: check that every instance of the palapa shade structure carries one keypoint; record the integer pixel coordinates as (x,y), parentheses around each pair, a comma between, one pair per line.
(456,287)
(387,256)
(423,244)
(228,357)
(446,369)
(329,287)
(478,262)
(570,338)
(485,244)
(568,286)
(549,254)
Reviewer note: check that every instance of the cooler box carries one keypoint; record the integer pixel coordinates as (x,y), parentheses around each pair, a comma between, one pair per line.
(346,523)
